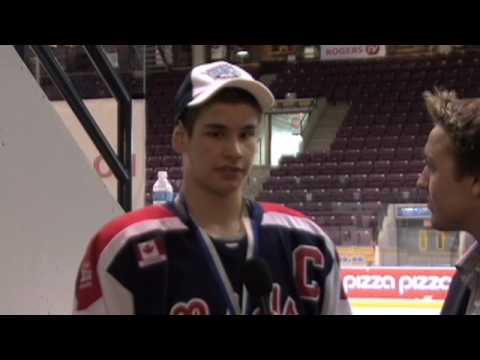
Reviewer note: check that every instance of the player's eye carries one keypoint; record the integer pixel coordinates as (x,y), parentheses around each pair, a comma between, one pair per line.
(248,133)
(214,134)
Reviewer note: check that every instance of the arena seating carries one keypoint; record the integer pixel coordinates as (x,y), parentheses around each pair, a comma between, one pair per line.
(377,155)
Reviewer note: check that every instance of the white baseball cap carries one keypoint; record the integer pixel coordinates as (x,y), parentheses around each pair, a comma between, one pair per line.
(204,81)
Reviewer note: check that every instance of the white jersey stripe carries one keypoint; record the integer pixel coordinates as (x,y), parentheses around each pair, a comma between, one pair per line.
(297,223)
(291,222)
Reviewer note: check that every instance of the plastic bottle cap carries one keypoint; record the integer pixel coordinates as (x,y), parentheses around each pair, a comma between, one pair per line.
(162,174)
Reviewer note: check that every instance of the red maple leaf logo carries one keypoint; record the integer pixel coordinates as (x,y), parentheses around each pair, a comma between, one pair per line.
(148,249)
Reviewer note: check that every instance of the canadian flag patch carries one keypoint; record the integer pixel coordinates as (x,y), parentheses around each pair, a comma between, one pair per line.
(151,252)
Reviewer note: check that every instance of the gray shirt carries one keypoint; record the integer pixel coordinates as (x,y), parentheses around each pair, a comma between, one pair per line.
(463,296)
(469,269)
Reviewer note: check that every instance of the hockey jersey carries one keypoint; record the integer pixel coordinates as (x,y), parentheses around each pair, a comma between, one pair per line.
(156,261)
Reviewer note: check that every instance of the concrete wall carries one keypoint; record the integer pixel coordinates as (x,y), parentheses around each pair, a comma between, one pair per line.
(51,201)
(104,111)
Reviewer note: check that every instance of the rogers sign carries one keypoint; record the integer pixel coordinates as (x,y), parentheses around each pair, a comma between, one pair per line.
(345,52)
(400,283)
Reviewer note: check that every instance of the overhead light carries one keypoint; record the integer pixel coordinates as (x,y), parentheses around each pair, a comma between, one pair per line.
(242,53)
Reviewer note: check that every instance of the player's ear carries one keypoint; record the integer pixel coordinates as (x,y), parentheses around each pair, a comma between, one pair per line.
(179,139)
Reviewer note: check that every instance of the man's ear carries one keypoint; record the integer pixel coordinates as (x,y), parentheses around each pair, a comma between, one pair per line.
(179,139)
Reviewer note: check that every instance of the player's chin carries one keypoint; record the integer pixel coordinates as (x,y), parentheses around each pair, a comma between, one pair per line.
(227,187)
(231,187)
(230,179)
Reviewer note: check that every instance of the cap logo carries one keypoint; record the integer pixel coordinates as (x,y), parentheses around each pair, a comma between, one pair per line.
(223,71)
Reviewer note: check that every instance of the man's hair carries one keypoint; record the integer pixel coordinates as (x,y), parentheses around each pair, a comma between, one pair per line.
(460,118)
(227,95)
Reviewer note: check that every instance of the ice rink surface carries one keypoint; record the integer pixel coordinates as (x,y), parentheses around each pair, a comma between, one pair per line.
(395,307)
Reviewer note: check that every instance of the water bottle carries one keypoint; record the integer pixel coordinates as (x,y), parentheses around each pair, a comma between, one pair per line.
(162,189)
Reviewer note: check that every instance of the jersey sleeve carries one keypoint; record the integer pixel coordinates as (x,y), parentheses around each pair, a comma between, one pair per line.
(109,280)
(97,292)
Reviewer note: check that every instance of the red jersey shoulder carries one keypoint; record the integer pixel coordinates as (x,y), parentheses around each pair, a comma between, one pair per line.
(88,288)
(108,232)
(278,208)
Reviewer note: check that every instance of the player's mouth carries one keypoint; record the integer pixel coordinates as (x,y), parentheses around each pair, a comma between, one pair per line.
(230,172)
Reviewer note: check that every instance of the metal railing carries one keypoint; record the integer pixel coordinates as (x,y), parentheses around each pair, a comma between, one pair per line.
(121,164)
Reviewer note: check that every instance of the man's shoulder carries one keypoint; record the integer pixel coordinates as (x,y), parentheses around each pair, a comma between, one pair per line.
(281,209)
(138,218)
(285,217)
(293,221)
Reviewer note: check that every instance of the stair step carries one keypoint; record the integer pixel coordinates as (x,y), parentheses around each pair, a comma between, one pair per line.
(326,128)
